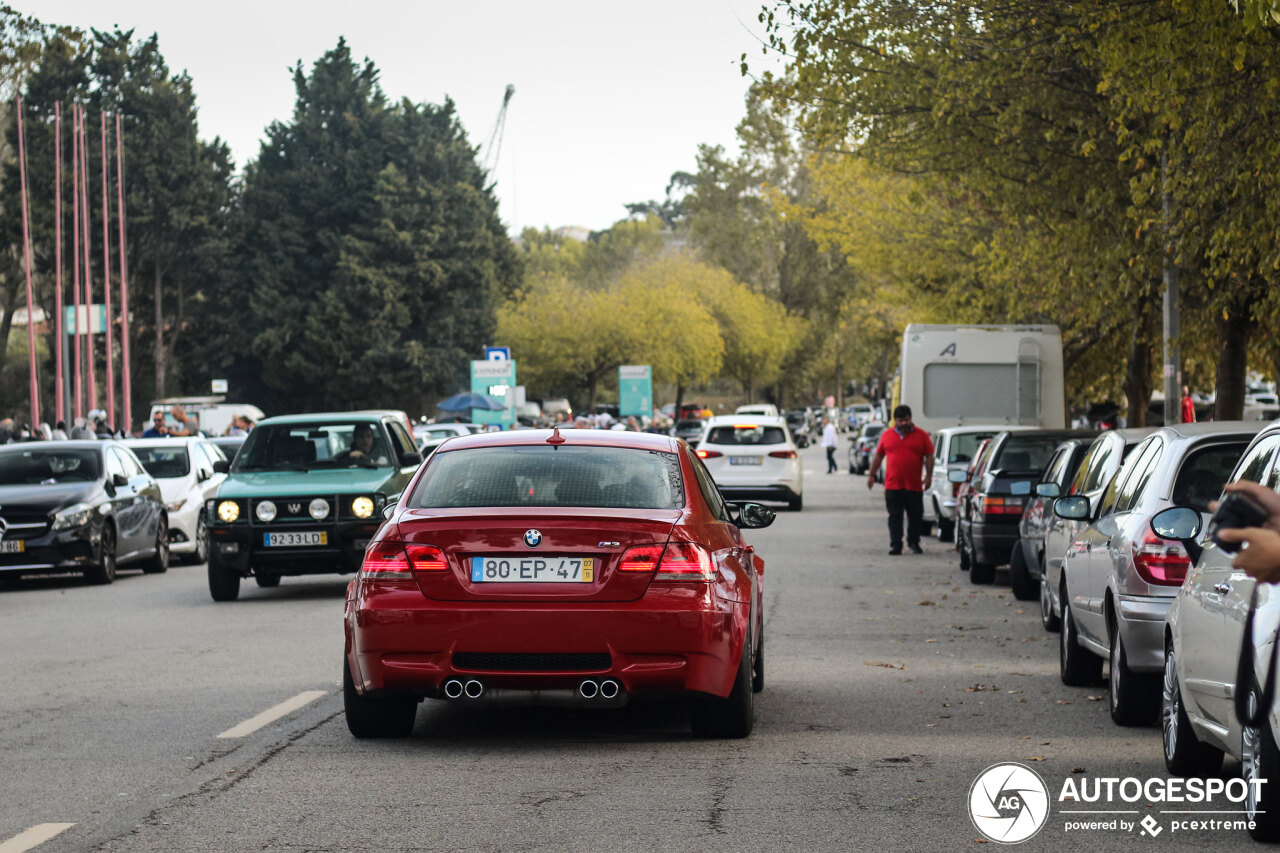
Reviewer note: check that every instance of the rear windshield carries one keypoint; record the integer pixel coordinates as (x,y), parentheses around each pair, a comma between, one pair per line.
(46,467)
(964,445)
(1204,473)
(1025,453)
(546,476)
(302,447)
(872,430)
(744,434)
(162,462)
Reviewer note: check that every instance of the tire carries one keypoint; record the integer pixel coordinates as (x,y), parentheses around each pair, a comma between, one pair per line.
(266,580)
(1184,753)
(980,573)
(104,571)
(1048,616)
(224,584)
(1260,759)
(946,530)
(369,717)
(201,554)
(158,562)
(926,528)
(757,669)
(1132,696)
(965,565)
(1024,588)
(731,717)
(1077,666)
(796,504)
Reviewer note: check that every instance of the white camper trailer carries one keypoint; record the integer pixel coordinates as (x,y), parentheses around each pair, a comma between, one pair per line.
(1000,375)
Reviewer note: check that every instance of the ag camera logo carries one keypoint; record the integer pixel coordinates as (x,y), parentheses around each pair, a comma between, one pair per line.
(1008,803)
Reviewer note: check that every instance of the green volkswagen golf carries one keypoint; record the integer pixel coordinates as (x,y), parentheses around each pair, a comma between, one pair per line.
(304,496)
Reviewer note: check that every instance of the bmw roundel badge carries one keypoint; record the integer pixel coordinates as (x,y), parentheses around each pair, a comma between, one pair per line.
(532,538)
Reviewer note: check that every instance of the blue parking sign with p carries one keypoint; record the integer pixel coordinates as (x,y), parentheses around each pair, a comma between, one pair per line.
(497,353)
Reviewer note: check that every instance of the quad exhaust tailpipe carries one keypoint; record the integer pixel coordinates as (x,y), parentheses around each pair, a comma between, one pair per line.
(599,692)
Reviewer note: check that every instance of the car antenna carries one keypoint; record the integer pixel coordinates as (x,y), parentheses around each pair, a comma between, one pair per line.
(555,439)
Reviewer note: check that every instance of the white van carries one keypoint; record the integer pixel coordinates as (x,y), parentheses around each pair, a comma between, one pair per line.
(212,415)
(962,375)
(765,409)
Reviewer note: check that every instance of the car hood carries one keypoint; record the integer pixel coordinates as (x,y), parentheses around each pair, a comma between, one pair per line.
(50,498)
(253,484)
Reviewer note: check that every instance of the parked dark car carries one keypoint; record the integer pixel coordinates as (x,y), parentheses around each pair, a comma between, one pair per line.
(690,430)
(79,506)
(229,444)
(1026,563)
(995,500)
(862,447)
(798,423)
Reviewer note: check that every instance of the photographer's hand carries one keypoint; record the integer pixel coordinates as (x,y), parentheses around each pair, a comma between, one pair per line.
(1260,556)
(1266,498)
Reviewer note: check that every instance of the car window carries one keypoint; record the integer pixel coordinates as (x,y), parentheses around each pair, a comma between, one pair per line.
(746,434)
(707,485)
(1137,472)
(1056,470)
(42,466)
(1093,473)
(400,439)
(165,462)
(115,465)
(1025,453)
(964,445)
(1203,474)
(549,476)
(1254,465)
(303,446)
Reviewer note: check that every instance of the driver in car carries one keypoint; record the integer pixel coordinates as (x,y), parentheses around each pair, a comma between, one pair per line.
(361,450)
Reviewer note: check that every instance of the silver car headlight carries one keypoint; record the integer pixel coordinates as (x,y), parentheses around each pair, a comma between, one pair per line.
(76,515)
(266,511)
(319,508)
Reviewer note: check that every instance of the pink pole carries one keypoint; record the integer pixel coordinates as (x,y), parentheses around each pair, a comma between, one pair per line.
(126,389)
(88,269)
(78,408)
(26,253)
(59,391)
(106,278)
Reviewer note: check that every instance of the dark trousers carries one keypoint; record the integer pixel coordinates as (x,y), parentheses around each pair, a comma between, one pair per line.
(898,501)
(831,460)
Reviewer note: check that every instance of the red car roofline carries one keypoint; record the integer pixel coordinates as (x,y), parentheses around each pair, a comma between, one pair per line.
(572,437)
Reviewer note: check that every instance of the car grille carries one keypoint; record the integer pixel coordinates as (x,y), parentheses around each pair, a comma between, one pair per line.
(531,662)
(292,510)
(25,524)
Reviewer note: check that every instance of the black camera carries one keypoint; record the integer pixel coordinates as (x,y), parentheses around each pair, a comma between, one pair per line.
(1236,510)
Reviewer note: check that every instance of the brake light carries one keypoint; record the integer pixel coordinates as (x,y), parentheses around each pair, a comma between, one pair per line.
(999,505)
(746,426)
(643,558)
(1161,562)
(783,454)
(679,561)
(709,454)
(386,560)
(426,558)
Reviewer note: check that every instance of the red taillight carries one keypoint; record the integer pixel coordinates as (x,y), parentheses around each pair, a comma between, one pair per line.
(426,558)
(783,454)
(709,454)
(1161,562)
(999,505)
(386,560)
(679,561)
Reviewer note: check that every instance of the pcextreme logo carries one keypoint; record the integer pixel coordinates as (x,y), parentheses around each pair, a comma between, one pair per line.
(1008,803)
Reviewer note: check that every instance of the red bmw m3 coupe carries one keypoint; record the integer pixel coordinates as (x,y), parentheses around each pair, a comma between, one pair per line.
(583,566)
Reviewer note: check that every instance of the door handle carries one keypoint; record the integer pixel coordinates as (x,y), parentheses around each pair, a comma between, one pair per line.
(1222,588)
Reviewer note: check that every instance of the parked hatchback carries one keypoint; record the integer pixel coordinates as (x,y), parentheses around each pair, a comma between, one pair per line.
(1119,578)
(753,457)
(954,449)
(189,471)
(1027,560)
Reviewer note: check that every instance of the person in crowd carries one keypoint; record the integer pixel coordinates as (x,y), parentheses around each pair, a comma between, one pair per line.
(829,443)
(158,428)
(237,426)
(1260,556)
(907,454)
(6,430)
(59,431)
(1188,406)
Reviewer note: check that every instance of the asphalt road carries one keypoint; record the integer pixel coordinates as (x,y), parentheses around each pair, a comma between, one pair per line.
(892,683)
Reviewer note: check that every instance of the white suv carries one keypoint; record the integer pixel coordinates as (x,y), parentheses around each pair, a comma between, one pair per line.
(753,457)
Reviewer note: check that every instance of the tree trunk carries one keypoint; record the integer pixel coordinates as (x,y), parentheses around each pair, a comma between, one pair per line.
(1138,382)
(159,355)
(679,401)
(1233,351)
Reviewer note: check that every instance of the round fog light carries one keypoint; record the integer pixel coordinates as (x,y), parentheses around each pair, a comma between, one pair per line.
(266,511)
(228,511)
(362,507)
(319,508)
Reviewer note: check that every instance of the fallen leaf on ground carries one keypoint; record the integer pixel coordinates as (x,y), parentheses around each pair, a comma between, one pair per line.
(925,603)
(883,664)
(1095,698)
(1035,758)
(1077,770)
(1063,702)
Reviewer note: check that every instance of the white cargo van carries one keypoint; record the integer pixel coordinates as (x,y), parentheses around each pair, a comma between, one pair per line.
(1001,375)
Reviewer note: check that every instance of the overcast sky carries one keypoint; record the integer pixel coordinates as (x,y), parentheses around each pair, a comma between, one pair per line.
(611,97)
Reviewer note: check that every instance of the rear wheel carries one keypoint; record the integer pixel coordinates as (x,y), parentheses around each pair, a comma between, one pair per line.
(1048,616)
(1024,588)
(224,583)
(266,580)
(757,670)
(1077,666)
(796,504)
(731,717)
(965,565)
(980,572)
(1260,762)
(105,569)
(158,563)
(369,717)
(1184,753)
(1133,695)
(946,529)
(201,553)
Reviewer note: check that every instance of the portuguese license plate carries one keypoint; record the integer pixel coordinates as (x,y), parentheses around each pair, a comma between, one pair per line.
(533,569)
(12,546)
(295,540)
(745,460)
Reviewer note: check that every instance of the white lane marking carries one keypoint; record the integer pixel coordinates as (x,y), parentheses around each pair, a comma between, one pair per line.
(33,837)
(270,715)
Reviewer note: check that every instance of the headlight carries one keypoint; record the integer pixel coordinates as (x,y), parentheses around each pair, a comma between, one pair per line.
(362,507)
(76,515)
(176,505)
(319,508)
(228,511)
(266,511)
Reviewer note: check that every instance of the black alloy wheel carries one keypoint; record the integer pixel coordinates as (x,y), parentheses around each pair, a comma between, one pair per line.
(158,562)
(104,571)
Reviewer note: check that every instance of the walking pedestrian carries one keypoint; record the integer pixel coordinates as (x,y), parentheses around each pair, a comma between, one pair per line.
(829,441)
(907,454)
(1188,406)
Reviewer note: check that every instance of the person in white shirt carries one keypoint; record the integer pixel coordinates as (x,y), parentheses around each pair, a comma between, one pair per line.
(829,441)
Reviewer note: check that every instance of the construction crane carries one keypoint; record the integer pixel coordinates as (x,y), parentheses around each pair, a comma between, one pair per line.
(491,150)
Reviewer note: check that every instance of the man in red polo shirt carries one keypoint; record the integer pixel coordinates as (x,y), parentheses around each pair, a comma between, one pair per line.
(908,456)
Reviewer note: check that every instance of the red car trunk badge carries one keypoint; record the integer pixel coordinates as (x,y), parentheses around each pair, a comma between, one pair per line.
(555,438)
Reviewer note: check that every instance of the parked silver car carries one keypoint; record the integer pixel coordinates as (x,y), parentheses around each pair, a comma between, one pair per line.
(1203,634)
(953,449)
(1026,563)
(1120,578)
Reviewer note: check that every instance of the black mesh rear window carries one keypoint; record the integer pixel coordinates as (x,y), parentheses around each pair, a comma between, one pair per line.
(546,476)
(747,435)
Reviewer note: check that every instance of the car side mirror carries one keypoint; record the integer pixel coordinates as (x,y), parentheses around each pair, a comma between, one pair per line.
(409,459)
(1072,508)
(752,516)
(119,480)
(955,475)
(1048,490)
(388,511)
(221,466)
(1179,524)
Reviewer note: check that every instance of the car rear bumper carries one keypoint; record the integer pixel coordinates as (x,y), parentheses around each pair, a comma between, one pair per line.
(678,639)
(1140,621)
(759,493)
(993,543)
